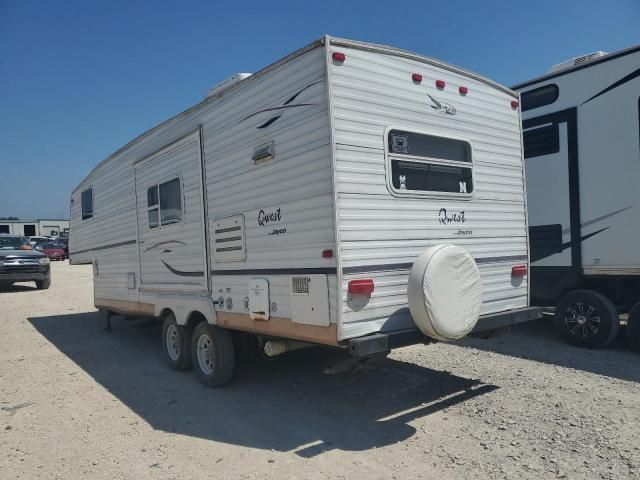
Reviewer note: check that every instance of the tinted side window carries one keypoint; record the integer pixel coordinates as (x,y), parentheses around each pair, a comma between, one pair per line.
(87,203)
(170,202)
(539,96)
(541,141)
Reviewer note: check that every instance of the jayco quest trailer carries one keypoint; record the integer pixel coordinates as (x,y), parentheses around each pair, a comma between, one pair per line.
(350,195)
(582,151)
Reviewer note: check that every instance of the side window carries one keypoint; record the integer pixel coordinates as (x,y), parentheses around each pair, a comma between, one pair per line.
(421,163)
(86,200)
(164,203)
(541,141)
(539,97)
(153,208)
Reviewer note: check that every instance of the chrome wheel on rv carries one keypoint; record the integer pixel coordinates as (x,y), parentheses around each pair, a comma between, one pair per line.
(633,326)
(212,354)
(586,319)
(176,343)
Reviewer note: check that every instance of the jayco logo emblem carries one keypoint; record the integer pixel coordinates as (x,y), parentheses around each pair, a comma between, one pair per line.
(446,218)
(442,106)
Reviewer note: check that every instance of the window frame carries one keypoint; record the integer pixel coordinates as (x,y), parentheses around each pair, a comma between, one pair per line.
(157,205)
(526,108)
(389,156)
(93,209)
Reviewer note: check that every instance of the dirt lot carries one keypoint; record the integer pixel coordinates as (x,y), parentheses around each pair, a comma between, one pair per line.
(79,402)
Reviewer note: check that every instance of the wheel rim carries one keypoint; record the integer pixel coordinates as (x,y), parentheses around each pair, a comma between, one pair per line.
(582,320)
(206,354)
(173,342)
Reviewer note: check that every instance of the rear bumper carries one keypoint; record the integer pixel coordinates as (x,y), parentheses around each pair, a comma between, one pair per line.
(385,342)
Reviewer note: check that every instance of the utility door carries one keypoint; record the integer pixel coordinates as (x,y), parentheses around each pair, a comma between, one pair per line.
(171,228)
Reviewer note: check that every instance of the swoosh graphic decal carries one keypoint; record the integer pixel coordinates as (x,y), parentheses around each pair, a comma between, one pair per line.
(271,109)
(269,122)
(597,219)
(623,80)
(181,273)
(294,97)
(165,243)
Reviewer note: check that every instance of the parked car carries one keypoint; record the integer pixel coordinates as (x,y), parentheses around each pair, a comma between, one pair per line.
(51,250)
(19,262)
(37,239)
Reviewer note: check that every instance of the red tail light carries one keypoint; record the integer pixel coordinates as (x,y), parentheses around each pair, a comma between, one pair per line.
(416,77)
(327,254)
(338,56)
(519,271)
(362,286)
(440,83)
(514,104)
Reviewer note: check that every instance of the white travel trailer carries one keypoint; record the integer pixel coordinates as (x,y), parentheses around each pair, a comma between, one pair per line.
(293,203)
(582,155)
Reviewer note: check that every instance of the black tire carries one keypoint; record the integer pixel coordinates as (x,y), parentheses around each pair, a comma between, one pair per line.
(633,326)
(587,319)
(212,354)
(176,343)
(43,284)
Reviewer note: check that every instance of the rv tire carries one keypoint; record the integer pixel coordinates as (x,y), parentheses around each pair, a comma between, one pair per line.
(212,354)
(43,284)
(633,326)
(587,319)
(176,343)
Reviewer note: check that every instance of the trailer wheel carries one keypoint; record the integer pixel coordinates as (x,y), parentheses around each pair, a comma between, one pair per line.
(212,354)
(633,326)
(176,343)
(587,319)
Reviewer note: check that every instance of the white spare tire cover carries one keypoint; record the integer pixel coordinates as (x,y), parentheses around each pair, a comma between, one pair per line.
(445,292)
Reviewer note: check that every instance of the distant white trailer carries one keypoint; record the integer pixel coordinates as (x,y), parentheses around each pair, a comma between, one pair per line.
(293,204)
(582,152)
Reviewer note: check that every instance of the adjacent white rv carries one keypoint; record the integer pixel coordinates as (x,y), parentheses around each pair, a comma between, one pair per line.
(581,145)
(293,204)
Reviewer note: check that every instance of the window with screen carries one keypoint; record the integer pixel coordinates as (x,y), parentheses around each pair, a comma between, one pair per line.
(164,203)
(538,97)
(541,141)
(421,163)
(86,200)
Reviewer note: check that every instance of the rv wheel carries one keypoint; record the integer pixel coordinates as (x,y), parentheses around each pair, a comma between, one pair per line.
(212,354)
(586,319)
(176,343)
(633,326)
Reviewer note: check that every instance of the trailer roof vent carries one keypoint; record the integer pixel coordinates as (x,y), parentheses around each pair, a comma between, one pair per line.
(227,84)
(574,62)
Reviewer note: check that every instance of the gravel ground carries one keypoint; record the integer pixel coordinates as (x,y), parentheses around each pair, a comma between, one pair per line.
(79,402)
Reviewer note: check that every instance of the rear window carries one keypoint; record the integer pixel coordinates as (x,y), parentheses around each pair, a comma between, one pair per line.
(539,97)
(423,163)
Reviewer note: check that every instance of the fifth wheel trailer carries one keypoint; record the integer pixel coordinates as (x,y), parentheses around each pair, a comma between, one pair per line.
(581,131)
(350,195)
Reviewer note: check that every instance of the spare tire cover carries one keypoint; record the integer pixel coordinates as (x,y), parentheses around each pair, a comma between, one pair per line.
(445,292)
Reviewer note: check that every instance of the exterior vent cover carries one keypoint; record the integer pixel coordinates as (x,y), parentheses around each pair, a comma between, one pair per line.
(577,61)
(229,239)
(226,84)
(300,285)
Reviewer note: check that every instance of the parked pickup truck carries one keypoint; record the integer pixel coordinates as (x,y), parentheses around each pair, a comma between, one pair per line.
(19,262)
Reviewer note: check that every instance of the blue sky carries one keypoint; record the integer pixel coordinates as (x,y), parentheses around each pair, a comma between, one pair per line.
(78,79)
